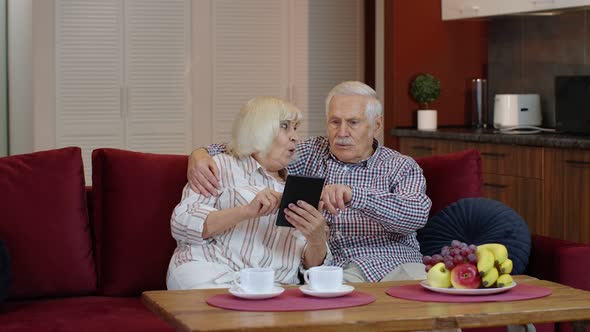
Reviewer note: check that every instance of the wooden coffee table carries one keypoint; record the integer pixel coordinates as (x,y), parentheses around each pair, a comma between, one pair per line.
(188,311)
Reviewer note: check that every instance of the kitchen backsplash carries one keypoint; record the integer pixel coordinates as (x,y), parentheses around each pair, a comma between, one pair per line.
(527,52)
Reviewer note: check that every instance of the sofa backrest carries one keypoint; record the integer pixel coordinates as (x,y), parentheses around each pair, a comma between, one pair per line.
(44,224)
(134,195)
(133,198)
(451,177)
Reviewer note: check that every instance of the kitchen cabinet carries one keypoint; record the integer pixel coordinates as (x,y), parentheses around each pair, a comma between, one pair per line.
(461,9)
(512,174)
(420,147)
(567,194)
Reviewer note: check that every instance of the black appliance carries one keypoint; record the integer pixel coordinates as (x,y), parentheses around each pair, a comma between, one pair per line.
(572,104)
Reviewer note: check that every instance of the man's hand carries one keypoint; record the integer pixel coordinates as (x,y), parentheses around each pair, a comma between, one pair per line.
(309,221)
(266,202)
(336,196)
(202,173)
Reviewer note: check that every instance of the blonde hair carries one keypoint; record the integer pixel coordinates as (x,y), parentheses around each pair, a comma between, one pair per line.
(258,123)
(373,109)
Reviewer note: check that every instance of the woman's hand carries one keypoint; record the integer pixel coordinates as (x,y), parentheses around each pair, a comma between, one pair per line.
(312,224)
(266,202)
(309,221)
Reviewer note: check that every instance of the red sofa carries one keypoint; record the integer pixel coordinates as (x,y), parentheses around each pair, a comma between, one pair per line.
(80,257)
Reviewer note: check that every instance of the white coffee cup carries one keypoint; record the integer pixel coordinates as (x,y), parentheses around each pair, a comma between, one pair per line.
(324,278)
(255,280)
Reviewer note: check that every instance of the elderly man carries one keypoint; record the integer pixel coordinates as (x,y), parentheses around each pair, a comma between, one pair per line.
(374,199)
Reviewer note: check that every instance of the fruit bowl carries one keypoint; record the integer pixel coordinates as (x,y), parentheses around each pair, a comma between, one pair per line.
(466,291)
(469,267)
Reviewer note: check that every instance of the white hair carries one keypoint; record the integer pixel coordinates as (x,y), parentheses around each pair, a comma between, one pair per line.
(373,109)
(258,124)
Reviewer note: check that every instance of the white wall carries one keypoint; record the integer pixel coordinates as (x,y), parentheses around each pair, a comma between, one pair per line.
(3,82)
(20,77)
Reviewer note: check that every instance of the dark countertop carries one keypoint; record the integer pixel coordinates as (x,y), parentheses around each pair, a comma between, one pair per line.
(545,139)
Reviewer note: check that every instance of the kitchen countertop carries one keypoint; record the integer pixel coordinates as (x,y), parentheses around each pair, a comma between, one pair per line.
(544,139)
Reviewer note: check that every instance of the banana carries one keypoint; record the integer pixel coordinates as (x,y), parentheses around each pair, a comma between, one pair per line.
(504,280)
(485,260)
(499,250)
(489,279)
(506,267)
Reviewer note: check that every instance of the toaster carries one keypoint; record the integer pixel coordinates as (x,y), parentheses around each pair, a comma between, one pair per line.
(517,110)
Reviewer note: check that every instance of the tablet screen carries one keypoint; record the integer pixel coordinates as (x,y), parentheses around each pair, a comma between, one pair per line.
(297,187)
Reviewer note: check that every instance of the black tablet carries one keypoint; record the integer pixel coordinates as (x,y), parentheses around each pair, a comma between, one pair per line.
(304,188)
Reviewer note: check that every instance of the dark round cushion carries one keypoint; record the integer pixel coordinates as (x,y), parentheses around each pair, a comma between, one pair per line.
(478,221)
(4,272)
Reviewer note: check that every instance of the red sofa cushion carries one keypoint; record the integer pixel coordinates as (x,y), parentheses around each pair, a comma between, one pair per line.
(112,314)
(451,177)
(44,224)
(559,260)
(134,195)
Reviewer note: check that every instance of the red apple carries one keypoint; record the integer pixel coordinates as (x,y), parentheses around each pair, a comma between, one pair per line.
(465,276)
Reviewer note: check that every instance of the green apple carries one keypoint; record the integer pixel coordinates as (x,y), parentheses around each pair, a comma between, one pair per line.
(439,276)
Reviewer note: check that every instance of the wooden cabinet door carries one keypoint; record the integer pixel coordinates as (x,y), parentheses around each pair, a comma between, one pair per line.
(522,161)
(524,195)
(422,147)
(567,188)
(512,175)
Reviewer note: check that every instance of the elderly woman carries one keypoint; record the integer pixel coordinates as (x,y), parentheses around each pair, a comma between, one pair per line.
(236,229)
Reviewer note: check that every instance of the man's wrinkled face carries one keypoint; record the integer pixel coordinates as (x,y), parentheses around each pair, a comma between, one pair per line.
(350,132)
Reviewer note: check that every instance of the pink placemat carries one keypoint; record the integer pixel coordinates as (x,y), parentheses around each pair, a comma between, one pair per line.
(418,293)
(290,300)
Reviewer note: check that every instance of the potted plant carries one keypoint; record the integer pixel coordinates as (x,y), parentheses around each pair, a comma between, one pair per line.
(425,89)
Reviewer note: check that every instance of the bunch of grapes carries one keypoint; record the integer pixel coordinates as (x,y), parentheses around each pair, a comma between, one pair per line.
(458,252)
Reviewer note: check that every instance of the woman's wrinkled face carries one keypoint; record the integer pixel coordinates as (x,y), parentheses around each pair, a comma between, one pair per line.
(282,150)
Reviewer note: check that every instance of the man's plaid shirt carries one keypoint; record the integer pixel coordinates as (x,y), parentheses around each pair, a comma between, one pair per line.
(377,230)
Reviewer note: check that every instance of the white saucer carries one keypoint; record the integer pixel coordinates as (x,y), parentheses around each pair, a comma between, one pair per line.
(238,292)
(343,290)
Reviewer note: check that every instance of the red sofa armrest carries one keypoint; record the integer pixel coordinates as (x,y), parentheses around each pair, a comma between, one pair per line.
(562,261)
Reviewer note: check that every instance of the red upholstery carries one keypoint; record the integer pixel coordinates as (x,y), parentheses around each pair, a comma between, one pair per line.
(44,223)
(451,177)
(568,265)
(560,261)
(112,314)
(134,195)
(542,327)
